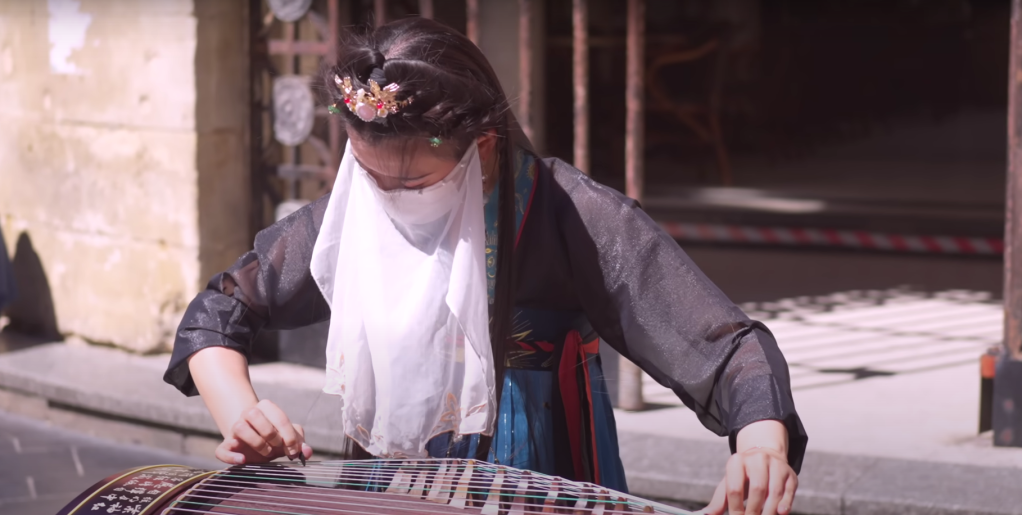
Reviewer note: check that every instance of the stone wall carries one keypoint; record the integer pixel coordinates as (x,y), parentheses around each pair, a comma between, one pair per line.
(123,170)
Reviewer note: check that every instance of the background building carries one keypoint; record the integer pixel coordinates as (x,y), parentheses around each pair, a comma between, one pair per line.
(139,151)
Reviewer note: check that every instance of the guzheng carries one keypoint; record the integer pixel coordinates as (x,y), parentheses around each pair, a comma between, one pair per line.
(384,487)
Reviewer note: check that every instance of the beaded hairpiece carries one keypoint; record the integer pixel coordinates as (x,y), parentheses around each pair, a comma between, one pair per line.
(369,105)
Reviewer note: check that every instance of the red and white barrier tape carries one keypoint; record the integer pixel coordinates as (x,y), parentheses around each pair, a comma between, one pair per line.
(797,237)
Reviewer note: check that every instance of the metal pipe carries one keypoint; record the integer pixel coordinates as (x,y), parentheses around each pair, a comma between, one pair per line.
(1006,418)
(426,8)
(630,375)
(334,122)
(472,20)
(525,67)
(380,12)
(291,46)
(256,135)
(634,99)
(580,77)
(1013,212)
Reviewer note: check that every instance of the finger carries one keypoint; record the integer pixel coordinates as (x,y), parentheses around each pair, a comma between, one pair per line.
(735,489)
(227,452)
(791,485)
(719,501)
(758,473)
(262,425)
(779,473)
(306,449)
(290,437)
(248,436)
(248,455)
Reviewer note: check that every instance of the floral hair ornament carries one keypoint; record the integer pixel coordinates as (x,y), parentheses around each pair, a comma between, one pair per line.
(370,105)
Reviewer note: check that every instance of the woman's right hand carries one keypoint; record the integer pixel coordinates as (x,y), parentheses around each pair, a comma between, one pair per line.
(263,433)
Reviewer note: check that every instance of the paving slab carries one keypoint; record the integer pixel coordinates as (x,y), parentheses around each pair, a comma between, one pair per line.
(45,467)
(905,487)
(110,382)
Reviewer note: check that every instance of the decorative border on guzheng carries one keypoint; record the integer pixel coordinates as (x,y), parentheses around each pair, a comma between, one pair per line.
(400,487)
(136,492)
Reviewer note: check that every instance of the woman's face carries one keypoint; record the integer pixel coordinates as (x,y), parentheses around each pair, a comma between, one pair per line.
(412,164)
(402,164)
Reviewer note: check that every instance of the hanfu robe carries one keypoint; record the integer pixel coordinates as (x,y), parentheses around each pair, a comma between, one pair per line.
(589,265)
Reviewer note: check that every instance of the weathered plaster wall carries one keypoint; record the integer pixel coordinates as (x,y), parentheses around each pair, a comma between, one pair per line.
(122,177)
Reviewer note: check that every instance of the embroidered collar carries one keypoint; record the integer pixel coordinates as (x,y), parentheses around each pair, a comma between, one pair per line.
(525,179)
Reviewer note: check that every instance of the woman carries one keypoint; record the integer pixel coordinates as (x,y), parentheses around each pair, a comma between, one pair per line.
(466,282)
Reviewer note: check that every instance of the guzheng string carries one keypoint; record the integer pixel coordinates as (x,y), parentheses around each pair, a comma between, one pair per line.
(434,486)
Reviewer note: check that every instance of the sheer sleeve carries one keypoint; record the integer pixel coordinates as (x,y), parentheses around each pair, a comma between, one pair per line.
(648,300)
(269,287)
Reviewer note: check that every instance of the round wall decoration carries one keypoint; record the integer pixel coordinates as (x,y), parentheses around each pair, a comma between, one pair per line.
(289,10)
(294,109)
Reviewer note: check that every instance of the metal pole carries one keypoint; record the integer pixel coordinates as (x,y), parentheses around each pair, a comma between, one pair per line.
(630,375)
(634,99)
(426,8)
(291,67)
(1007,395)
(335,129)
(257,47)
(472,20)
(525,67)
(580,61)
(380,11)
(1013,224)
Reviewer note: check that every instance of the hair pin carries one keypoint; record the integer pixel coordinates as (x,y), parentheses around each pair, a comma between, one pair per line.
(369,105)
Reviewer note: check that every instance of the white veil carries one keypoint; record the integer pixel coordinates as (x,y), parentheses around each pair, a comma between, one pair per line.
(404,273)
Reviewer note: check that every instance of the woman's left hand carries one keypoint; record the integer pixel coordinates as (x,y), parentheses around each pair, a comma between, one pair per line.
(758,480)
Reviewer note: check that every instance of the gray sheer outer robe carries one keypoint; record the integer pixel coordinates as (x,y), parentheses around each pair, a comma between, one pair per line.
(583,246)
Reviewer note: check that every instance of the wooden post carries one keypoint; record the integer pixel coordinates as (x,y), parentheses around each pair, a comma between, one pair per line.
(426,8)
(380,12)
(630,376)
(1013,215)
(472,20)
(525,67)
(580,77)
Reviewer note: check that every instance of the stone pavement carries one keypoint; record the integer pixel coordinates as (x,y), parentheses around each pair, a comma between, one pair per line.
(891,374)
(45,467)
(887,384)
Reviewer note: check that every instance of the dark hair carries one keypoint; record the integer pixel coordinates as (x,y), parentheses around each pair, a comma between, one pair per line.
(458,98)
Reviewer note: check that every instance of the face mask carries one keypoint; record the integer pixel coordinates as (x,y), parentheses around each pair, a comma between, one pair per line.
(425,205)
(421,215)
